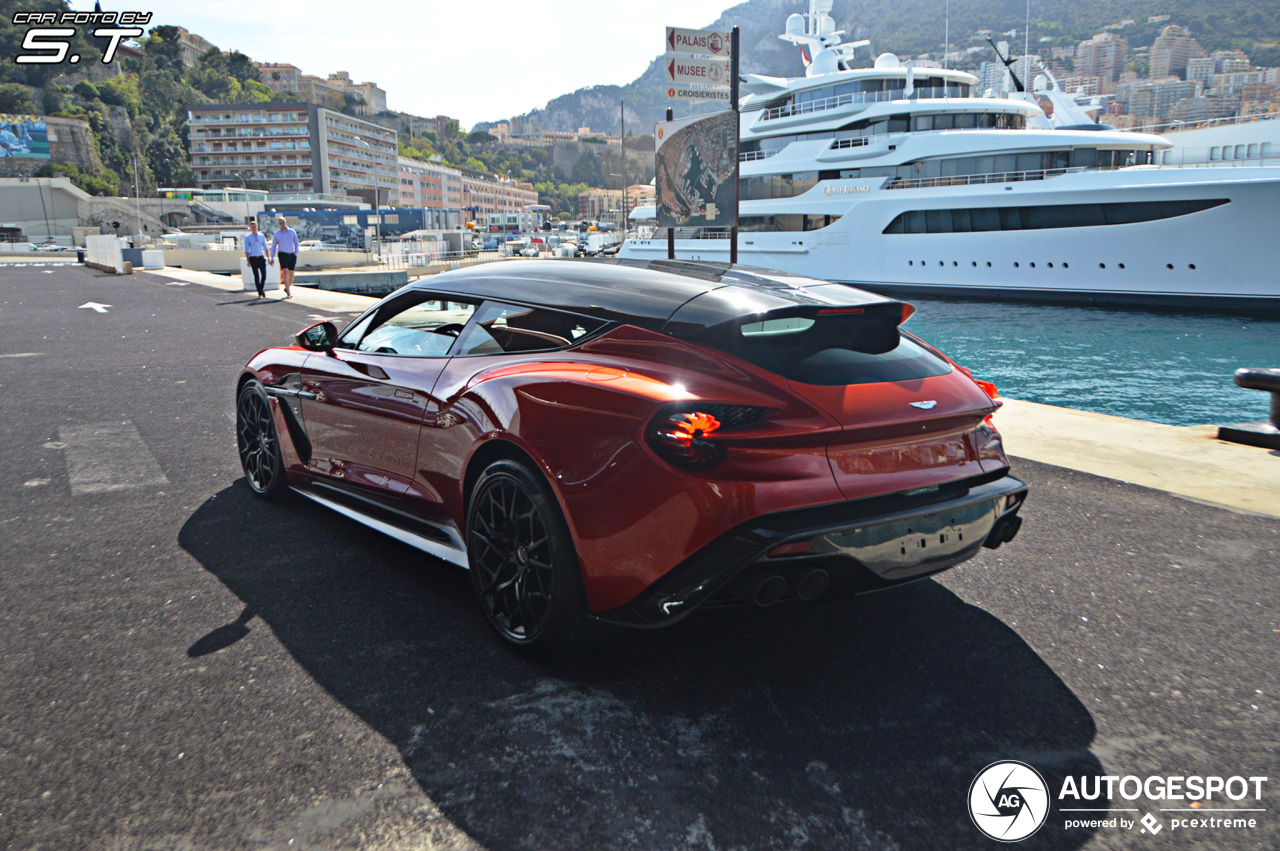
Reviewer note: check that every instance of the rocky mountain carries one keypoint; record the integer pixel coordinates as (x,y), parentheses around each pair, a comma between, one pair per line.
(913,27)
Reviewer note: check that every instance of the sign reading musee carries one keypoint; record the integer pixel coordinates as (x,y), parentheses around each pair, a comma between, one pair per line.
(697,42)
(698,72)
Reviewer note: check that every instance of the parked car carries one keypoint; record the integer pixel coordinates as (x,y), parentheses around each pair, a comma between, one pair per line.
(623,442)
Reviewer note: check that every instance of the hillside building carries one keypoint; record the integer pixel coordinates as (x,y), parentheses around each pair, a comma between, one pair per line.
(1104,55)
(293,147)
(1173,48)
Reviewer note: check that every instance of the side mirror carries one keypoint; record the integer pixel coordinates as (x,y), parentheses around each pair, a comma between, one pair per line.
(320,337)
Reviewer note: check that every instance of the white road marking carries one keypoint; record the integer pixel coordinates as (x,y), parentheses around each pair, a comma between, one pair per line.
(36,483)
(105,457)
(94,306)
(21,354)
(47,272)
(177,284)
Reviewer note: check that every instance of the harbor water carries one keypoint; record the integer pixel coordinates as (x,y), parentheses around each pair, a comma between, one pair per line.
(1167,367)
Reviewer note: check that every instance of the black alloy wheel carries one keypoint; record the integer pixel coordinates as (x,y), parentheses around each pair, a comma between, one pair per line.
(523,565)
(258,442)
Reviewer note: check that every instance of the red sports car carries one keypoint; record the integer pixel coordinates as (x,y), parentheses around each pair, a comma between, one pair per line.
(619,442)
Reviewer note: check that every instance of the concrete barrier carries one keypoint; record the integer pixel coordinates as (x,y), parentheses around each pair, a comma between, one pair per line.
(246,276)
(152,259)
(228,262)
(103,252)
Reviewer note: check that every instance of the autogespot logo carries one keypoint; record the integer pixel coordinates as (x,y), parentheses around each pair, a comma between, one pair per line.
(1008,801)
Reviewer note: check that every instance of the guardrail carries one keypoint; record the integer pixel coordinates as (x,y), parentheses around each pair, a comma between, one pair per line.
(410,260)
(972,179)
(855,97)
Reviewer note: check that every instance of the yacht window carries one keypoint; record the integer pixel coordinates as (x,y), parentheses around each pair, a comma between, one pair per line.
(1084,158)
(1215,153)
(1030,162)
(1044,216)
(1253,150)
(965,121)
(1010,218)
(923,122)
(985,218)
(1240,149)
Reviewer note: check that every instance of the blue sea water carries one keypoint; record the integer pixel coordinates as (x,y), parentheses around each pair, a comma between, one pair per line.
(1165,367)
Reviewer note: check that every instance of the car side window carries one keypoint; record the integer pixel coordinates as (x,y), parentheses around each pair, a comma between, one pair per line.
(419,325)
(508,328)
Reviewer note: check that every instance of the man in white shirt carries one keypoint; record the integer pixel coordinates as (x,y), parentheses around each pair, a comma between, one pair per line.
(255,249)
(284,245)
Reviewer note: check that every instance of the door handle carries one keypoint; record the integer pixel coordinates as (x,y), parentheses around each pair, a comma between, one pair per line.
(369,369)
(401,393)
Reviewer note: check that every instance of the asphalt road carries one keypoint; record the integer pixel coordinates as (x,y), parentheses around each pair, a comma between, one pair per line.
(183,666)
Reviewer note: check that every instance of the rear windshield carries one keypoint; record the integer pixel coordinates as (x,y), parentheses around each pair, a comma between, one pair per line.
(845,348)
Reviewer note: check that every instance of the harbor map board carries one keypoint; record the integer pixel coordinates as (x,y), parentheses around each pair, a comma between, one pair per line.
(24,136)
(697,168)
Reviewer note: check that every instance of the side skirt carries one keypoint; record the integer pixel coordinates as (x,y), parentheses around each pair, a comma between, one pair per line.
(443,543)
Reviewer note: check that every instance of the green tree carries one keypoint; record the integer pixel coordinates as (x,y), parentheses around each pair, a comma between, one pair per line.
(15,98)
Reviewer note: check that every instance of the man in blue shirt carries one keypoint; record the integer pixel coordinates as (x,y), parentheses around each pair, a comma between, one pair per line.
(255,249)
(284,245)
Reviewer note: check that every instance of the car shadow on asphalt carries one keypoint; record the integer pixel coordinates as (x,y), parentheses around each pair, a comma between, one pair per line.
(849,724)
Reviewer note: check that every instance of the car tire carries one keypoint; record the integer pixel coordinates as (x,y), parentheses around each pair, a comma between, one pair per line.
(258,442)
(523,564)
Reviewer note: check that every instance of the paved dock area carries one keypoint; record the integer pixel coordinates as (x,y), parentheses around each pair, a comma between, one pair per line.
(182,666)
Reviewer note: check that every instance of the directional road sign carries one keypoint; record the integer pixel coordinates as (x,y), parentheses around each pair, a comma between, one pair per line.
(713,73)
(697,42)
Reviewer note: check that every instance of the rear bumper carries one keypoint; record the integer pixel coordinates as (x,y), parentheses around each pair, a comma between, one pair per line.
(858,545)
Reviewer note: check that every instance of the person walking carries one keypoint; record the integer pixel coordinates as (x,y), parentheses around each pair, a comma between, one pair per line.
(284,246)
(255,250)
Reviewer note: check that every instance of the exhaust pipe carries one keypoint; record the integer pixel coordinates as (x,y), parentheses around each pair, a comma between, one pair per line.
(769,590)
(813,584)
(1003,532)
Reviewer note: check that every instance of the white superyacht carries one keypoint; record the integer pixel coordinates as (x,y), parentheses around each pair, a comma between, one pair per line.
(902,178)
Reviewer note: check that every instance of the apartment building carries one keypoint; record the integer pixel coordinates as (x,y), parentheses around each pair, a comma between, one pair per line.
(193,46)
(1172,50)
(1104,55)
(484,193)
(427,184)
(293,147)
(374,98)
(604,204)
(308,88)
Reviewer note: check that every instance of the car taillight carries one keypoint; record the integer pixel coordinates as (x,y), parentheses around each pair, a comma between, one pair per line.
(685,434)
(683,438)
(908,310)
(988,388)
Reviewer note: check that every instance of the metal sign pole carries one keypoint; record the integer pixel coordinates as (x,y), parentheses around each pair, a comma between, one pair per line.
(671,232)
(737,142)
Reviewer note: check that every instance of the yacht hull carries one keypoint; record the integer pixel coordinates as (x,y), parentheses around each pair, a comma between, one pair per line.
(1221,255)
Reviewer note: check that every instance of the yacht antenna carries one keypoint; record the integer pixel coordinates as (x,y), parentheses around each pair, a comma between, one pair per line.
(1026,40)
(946,48)
(1008,64)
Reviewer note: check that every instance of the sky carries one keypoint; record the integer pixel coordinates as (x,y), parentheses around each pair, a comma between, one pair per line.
(469,60)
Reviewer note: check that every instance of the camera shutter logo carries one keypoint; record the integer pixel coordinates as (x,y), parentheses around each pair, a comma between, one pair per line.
(1008,801)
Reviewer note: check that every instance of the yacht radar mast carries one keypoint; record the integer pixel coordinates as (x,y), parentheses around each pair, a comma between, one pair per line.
(816,34)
